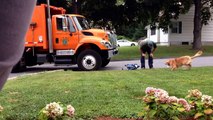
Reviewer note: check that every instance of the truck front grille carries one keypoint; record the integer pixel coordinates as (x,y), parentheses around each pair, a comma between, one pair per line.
(113,39)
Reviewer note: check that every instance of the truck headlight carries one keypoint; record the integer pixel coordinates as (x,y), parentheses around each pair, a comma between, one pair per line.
(106,44)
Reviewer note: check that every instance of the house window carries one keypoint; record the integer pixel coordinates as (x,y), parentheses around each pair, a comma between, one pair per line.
(176,27)
(153,30)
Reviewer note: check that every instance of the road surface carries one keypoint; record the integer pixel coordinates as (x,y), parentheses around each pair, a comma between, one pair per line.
(114,65)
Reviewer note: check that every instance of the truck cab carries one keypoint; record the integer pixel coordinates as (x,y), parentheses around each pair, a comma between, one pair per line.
(66,40)
(92,48)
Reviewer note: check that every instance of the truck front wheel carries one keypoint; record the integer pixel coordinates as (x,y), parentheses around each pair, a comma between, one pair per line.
(89,60)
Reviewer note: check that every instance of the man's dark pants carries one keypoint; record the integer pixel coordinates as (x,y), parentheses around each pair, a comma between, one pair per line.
(150,59)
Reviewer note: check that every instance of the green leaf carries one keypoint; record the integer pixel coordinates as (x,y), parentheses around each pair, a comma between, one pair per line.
(176,104)
(181,109)
(146,108)
(175,118)
(152,97)
(140,114)
(197,115)
(208,111)
(152,113)
(165,106)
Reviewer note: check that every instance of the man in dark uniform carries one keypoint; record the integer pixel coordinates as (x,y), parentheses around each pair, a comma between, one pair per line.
(149,47)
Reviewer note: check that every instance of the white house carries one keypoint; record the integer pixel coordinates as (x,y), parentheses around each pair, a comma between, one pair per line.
(181,32)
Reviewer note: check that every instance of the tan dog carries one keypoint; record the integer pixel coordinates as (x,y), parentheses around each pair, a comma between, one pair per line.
(182,61)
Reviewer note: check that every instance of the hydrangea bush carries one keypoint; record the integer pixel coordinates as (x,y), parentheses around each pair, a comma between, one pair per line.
(1,110)
(158,105)
(56,111)
(202,105)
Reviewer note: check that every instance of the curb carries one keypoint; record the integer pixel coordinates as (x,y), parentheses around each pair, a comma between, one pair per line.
(13,78)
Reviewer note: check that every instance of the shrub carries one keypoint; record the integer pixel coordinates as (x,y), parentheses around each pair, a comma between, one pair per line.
(1,110)
(202,105)
(160,106)
(56,111)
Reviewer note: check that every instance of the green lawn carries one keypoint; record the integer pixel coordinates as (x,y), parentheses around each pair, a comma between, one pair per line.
(98,93)
(128,53)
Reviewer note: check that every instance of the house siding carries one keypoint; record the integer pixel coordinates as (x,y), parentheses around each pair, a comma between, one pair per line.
(152,37)
(163,37)
(186,36)
(207,34)
(187,30)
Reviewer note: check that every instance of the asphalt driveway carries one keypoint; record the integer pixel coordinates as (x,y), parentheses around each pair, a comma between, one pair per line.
(159,63)
(113,65)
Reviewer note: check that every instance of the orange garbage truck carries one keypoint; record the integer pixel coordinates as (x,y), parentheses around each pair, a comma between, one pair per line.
(65,39)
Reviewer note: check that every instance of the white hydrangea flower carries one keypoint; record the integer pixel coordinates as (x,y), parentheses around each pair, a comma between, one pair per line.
(195,93)
(1,108)
(53,110)
(172,99)
(150,90)
(70,110)
(162,95)
(206,99)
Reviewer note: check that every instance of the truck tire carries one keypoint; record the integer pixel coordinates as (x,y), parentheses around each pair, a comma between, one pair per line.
(105,62)
(89,60)
(20,66)
(132,44)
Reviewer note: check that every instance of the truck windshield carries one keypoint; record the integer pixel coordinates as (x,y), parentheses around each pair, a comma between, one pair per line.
(81,23)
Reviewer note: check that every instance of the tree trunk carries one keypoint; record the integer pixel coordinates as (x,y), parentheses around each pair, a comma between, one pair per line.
(75,7)
(197,45)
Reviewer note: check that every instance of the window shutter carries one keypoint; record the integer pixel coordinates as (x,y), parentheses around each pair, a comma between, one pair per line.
(153,30)
(180,27)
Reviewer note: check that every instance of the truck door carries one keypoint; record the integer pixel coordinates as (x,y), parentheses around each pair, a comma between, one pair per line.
(65,35)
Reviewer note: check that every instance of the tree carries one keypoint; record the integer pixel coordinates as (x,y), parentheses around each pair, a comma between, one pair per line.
(122,15)
(197,25)
(100,11)
(201,17)
(139,31)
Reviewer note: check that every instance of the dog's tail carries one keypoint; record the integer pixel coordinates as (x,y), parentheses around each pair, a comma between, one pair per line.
(199,53)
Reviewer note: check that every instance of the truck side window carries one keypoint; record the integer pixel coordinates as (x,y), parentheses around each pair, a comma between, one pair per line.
(59,24)
(71,26)
(62,24)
